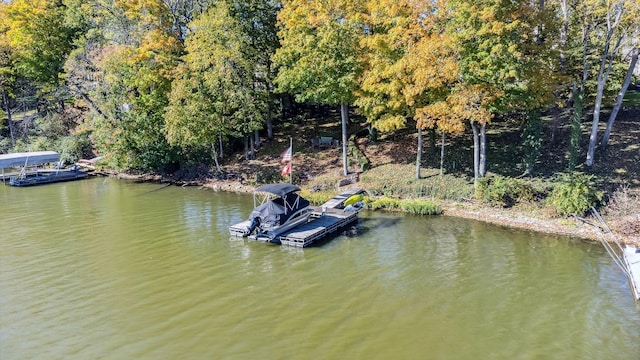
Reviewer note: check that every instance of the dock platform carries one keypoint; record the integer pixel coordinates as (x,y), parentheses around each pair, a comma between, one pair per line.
(631,256)
(319,227)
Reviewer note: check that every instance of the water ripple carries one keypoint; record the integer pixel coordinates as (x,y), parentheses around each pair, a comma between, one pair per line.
(108,269)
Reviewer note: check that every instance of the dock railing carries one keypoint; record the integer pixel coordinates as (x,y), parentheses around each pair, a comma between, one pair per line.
(614,246)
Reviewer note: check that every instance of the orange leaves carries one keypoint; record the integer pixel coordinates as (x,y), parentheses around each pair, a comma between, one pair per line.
(410,64)
(462,105)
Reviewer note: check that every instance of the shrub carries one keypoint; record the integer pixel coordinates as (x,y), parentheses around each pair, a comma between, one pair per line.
(72,148)
(420,207)
(269,175)
(575,195)
(623,202)
(385,203)
(503,191)
(318,197)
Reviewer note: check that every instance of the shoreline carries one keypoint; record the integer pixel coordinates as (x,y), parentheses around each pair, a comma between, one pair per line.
(511,218)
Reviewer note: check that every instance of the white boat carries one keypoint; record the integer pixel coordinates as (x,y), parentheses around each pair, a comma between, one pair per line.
(277,209)
(32,170)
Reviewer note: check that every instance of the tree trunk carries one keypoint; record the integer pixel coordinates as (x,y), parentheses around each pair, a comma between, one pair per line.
(432,141)
(246,147)
(564,29)
(419,154)
(269,122)
(257,136)
(215,157)
(344,112)
(90,102)
(616,107)
(576,132)
(482,166)
(7,107)
(221,148)
(585,61)
(252,152)
(476,154)
(442,155)
(603,73)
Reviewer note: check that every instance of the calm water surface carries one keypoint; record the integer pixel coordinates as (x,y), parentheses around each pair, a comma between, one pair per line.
(103,268)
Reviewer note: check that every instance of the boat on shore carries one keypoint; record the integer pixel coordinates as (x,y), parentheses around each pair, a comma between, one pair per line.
(277,209)
(32,169)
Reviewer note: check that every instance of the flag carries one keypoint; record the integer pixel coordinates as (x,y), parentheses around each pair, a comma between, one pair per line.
(286,155)
(287,169)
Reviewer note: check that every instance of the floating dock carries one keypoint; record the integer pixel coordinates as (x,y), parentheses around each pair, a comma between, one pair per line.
(318,227)
(325,220)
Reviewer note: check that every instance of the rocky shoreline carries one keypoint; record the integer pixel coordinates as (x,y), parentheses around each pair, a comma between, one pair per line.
(512,218)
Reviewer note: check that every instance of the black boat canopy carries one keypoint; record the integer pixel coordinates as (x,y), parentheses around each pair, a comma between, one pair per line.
(278,189)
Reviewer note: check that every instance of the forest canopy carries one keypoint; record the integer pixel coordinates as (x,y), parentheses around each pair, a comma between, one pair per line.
(156,85)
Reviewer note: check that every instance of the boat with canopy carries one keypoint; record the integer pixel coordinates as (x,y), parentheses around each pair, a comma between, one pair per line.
(277,208)
(32,170)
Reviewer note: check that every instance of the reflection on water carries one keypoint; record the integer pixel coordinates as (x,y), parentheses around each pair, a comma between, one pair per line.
(108,269)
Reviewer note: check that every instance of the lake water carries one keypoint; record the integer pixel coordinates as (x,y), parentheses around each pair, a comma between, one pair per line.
(103,268)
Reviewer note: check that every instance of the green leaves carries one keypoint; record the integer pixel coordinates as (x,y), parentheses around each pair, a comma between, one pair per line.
(215,94)
(319,55)
(40,38)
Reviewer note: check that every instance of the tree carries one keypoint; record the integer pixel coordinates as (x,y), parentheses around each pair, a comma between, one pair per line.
(258,19)
(410,67)
(132,76)
(183,12)
(625,85)
(500,44)
(319,55)
(6,67)
(613,34)
(215,95)
(40,38)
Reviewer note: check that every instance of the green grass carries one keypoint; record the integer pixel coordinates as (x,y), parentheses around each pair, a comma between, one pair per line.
(399,181)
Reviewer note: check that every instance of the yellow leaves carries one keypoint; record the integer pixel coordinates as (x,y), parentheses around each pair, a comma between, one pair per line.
(148,11)
(389,122)
(21,14)
(439,115)
(156,43)
(462,105)
(410,63)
